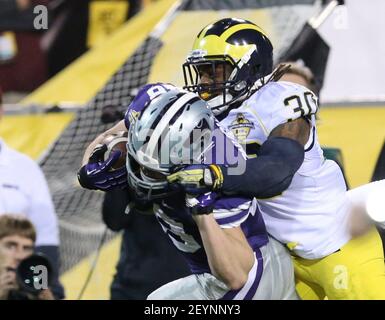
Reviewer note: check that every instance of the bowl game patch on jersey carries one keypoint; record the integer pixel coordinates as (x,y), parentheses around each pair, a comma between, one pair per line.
(241,127)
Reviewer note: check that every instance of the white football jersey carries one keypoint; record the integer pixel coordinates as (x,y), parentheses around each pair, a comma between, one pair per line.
(310,217)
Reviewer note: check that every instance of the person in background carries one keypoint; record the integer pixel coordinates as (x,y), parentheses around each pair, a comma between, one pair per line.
(24,190)
(17,241)
(79,25)
(299,73)
(20,43)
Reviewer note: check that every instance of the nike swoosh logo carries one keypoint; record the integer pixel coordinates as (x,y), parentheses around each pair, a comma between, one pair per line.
(92,171)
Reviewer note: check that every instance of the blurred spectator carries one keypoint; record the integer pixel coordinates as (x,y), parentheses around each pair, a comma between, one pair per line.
(309,49)
(74,26)
(80,24)
(17,15)
(24,190)
(20,50)
(299,73)
(17,240)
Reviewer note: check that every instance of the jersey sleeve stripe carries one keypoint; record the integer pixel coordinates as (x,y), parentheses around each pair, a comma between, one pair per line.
(228,212)
(308,148)
(231,219)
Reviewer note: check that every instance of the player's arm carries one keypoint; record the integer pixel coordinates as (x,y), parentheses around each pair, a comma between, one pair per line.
(265,176)
(229,255)
(280,157)
(297,130)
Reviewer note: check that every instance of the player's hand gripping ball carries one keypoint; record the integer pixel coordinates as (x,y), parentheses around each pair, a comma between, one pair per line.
(106,168)
(116,142)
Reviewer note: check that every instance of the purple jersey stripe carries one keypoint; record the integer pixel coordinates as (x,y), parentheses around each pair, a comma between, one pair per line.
(230,202)
(230,295)
(258,241)
(250,294)
(233,218)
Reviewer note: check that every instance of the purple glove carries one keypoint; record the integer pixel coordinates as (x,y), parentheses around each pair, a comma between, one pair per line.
(99,175)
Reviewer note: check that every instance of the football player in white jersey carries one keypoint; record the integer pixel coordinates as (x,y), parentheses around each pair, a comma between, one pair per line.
(301,194)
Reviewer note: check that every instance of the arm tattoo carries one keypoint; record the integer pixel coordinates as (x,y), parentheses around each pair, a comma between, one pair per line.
(298,130)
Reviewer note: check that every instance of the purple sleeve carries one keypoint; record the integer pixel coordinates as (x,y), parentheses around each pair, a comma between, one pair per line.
(231,211)
(143,97)
(228,211)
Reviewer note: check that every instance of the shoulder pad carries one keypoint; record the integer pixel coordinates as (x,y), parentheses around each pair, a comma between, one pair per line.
(279,102)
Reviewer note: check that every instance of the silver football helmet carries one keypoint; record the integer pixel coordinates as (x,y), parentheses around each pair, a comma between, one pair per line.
(174,129)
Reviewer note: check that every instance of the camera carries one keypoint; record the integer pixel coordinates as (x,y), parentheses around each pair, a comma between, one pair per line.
(33,275)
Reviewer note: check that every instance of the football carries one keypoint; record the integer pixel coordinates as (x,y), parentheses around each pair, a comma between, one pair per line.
(117,142)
